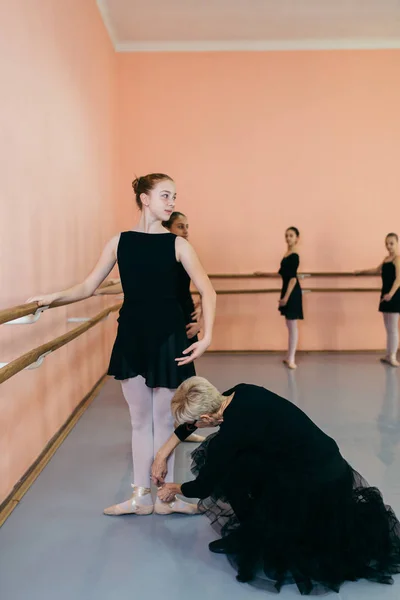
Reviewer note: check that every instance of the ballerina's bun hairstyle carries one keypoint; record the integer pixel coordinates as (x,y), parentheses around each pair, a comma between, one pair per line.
(396,237)
(174,216)
(296,231)
(144,185)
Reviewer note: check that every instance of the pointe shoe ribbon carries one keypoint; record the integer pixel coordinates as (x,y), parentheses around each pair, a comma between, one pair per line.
(132,506)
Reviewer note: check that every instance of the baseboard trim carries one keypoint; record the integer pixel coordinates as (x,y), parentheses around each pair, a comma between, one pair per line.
(23,485)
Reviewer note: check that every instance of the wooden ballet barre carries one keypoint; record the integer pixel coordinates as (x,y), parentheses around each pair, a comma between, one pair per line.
(277,291)
(276,275)
(107,283)
(37,354)
(16,312)
(23,310)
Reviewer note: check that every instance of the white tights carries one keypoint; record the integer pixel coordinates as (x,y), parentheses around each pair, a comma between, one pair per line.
(293,332)
(152,425)
(391,321)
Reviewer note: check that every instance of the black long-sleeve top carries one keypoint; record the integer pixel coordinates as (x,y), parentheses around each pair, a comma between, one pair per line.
(261,421)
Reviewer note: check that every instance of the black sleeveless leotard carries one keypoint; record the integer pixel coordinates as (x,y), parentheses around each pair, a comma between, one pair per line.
(151,324)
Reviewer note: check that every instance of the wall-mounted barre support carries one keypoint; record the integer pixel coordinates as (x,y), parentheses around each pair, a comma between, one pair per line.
(84,319)
(27,319)
(78,319)
(38,363)
(34,358)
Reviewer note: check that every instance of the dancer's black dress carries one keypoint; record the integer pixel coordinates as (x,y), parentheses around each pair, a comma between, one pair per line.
(151,324)
(294,306)
(186,299)
(298,511)
(388,278)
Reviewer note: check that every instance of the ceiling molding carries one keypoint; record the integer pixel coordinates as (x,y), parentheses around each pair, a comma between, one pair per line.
(256,46)
(107,20)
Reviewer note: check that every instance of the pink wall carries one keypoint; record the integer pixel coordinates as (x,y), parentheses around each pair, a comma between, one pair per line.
(255,141)
(258,142)
(58,194)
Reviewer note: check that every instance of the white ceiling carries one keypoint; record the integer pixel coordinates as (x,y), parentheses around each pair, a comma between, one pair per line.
(140,25)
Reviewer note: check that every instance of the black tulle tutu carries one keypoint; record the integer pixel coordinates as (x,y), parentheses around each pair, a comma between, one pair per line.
(316,530)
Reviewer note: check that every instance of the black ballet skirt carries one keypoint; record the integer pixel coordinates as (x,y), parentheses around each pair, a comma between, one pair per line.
(151,324)
(186,300)
(294,510)
(388,278)
(294,306)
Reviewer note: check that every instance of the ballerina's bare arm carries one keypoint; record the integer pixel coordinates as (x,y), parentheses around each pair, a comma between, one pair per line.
(86,288)
(373,271)
(193,267)
(159,468)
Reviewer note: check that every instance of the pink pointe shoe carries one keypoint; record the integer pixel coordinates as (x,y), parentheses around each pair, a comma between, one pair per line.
(390,360)
(176,506)
(141,504)
(290,365)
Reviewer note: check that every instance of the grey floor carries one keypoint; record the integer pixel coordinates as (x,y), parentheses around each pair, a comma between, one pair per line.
(58,545)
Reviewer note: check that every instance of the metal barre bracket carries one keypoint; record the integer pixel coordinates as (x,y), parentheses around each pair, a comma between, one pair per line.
(28,319)
(85,319)
(38,363)
(78,320)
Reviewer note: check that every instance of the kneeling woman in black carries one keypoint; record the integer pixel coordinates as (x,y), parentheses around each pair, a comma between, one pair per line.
(291,301)
(288,505)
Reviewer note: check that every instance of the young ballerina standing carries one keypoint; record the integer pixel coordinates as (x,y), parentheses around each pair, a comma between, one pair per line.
(151,356)
(389,304)
(291,301)
(178,225)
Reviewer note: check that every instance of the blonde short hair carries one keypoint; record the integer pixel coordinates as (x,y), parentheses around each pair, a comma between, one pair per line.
(195,397)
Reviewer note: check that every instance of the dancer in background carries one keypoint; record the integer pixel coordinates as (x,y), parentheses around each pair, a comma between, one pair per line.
(151,354)
(178,224)
(289,507)
(389,304)
(291,300)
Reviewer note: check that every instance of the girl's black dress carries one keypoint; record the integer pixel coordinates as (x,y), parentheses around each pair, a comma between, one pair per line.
(151,324)
(294,307)
(388,278)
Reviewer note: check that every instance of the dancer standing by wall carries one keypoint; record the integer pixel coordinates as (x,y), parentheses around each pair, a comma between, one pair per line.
(151,356)
(291,300)
(178,225)
(389,304)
